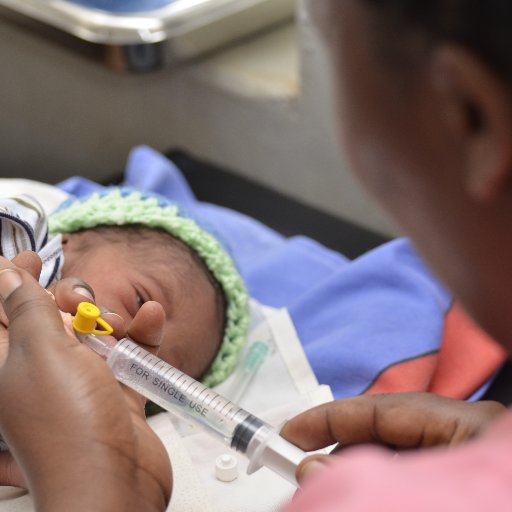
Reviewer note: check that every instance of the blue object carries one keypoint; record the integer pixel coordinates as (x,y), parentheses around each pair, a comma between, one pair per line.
(354,318)
(124,6)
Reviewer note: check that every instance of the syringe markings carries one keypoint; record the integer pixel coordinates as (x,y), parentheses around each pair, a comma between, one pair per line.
(179,393)
(169,370)
(156,369)
(154,363)
(231,412)
(193,391)
(220,400)
(179,378)
(211,397)
(146,356)
(225,405)
(187,388)
(203,391)
(131,351)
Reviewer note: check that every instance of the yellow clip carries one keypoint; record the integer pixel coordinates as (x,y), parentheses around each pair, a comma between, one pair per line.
(86,318)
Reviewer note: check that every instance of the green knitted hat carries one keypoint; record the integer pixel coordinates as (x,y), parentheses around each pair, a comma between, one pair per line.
(121,206)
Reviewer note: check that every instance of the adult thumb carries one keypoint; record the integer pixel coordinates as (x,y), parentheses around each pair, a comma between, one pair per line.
(32,314)
(310,466)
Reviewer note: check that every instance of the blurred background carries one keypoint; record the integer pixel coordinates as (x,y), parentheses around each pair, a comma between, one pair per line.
(238,85)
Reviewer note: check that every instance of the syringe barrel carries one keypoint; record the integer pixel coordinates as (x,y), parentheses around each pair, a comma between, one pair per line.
(172,389)
(182,395)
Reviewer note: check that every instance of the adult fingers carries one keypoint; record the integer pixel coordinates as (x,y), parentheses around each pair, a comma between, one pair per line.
(147,326)
(30,262)
(309,466)
(32,314)
(347,421)
(115,321)
(146,329)
(69,292)
(405,420)
(4,343)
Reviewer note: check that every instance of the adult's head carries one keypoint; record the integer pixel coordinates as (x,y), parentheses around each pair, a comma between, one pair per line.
(425,111)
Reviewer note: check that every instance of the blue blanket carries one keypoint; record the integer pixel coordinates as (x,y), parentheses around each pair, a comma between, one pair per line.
(355,319)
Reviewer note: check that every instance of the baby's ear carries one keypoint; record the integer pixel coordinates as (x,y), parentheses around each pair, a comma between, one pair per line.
(72,242)
(478,109)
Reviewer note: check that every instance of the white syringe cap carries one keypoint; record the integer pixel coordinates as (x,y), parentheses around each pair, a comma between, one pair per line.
(226,467)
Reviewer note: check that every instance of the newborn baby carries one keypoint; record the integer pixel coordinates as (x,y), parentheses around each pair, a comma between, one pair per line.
(132,248)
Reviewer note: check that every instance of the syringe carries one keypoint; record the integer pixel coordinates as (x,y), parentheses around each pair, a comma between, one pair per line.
(180,394)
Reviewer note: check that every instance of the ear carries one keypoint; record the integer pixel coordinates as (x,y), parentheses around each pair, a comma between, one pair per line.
(478,107)
(72,242)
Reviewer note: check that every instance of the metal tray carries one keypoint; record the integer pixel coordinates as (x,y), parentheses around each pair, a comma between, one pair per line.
(150,39)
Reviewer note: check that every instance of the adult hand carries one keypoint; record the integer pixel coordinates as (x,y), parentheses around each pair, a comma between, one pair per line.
(81,440)
(400,421)
(68,293)
(30,262)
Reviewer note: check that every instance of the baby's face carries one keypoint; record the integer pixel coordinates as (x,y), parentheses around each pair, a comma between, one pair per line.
(123,280)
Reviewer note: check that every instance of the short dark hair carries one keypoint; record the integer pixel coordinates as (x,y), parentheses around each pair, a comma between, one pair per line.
(483,26)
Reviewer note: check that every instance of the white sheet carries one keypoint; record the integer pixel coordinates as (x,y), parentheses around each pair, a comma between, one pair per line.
(49,196)
(283,387)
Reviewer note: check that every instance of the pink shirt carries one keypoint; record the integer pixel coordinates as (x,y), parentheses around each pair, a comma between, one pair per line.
(470,477)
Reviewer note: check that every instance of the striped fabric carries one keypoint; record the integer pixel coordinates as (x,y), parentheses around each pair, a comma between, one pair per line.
(24,227)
